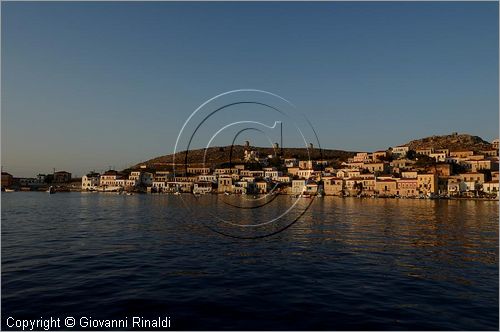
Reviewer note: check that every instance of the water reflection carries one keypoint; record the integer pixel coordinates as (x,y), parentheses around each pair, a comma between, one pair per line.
(350,263)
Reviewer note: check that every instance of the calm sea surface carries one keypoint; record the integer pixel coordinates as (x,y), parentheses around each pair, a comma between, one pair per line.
(346,264)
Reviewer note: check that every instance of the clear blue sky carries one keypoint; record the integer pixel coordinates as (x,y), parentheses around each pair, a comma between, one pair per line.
(91,85)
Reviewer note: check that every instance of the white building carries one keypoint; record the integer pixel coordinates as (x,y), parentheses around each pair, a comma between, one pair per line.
(159,186)
(126,183)
(305,173)
(273,175)
(163,176)
(491,187)
(283,179)
(90,181)
(291,162)
(298,186)
(108,179)
(135,176)
(202,187)
(438,156)
(400,151)
(207,178)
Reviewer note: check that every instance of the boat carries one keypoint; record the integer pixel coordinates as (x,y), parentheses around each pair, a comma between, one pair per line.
(7,190)
(51,190)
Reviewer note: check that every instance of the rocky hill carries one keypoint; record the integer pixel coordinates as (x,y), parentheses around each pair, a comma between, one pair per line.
(219,155)
(454,142)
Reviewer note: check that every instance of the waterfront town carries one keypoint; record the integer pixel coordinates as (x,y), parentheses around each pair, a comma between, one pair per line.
(396,172)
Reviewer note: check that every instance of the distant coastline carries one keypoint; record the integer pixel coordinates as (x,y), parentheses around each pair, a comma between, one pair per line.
(439,167)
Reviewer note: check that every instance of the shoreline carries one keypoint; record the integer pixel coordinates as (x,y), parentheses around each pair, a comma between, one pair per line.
(124,193)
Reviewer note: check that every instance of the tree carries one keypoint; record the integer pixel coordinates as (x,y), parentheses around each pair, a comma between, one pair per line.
(411,154)
(49,178)
(457,168)
(424,161)
(335,164)
(275,161)
(387,158)
(487,174)
(358,186)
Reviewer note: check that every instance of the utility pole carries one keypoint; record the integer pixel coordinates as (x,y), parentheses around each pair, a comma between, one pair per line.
(281,140)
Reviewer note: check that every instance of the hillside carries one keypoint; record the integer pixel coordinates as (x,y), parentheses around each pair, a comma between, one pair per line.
(454,142)
(218,155)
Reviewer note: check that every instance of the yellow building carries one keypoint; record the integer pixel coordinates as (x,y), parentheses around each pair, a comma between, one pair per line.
(473,177)
(407,187)
(495,176)
(262,187)
(293,170)
(489,153)
(7,180)
(306,164)
(445,151)
(333,186)
(361,157)
(461,154)
(425,152)
(374,167)
(198,170)
(379,155)
(495,143)
(386,187)
(409,174)
(427,183)
(354,186)
(224,184)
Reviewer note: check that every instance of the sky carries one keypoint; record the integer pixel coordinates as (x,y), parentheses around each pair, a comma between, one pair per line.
(88,86)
